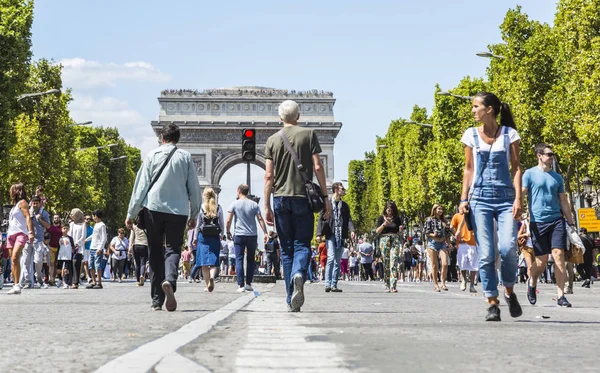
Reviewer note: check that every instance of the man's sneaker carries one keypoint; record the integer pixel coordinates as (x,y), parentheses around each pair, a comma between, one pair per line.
(336,290)
(298,294)
(191,280)
(327,289)
(493,313)
(170,301)
(36,286)
(45,286)
(586,284)
(90,286)
(472,289)
(16,289)
(531,293)
(513,305)
(98,286)
(290,309)
(563,302)
(241,290)
(248,287)
(156,308)
(463,285)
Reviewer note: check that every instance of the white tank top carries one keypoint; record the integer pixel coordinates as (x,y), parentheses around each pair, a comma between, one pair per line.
(17,222)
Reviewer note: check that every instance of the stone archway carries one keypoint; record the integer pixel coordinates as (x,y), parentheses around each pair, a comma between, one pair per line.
(211,123)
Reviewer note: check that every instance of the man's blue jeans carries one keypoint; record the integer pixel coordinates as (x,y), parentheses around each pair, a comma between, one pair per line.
(332,270)
(493,209)
(294,221)
(241,245)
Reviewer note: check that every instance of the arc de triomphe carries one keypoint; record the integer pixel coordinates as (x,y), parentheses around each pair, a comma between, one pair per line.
(211,123)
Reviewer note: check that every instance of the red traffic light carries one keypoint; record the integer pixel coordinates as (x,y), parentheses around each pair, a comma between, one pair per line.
(248,133)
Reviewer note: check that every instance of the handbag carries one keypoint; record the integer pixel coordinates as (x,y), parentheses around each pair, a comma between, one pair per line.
(467,215)
(140,220)
(574,254)
(313,191)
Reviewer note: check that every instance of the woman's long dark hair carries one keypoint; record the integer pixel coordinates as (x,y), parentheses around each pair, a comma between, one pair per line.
(17,193)
(499,107)
(393,206)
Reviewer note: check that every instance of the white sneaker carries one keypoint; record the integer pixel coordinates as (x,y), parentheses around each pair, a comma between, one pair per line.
(45,286)
(241,290)
(65,286)
(190,280)
(248,288)
(16,289)
(463,285)
(36,286)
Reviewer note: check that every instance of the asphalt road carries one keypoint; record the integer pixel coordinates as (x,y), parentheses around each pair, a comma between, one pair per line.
(362,329)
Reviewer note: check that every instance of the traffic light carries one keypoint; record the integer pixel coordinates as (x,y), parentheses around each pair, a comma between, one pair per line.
(249,145)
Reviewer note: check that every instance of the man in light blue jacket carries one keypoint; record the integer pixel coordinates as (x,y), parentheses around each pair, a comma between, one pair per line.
(168,204)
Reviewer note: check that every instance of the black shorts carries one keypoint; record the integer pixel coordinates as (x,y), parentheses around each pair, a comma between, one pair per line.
(548,236)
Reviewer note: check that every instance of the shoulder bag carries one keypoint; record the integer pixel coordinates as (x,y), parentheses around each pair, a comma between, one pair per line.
(140,220)
(313,191)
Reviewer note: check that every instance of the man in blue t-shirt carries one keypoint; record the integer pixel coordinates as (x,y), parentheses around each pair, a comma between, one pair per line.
(547,204)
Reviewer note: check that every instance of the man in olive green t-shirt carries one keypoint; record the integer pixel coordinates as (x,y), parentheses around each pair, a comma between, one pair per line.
(294,217)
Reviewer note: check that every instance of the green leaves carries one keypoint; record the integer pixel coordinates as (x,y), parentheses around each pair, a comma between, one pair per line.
(550,77)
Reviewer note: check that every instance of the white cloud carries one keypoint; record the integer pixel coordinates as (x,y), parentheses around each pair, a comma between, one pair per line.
(81,73)
(112,112)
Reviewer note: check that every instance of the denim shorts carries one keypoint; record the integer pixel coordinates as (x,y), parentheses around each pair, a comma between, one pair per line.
(96,262)
(437,246)
(548,236)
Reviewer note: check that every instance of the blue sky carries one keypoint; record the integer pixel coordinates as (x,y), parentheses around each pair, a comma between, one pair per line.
(379,58)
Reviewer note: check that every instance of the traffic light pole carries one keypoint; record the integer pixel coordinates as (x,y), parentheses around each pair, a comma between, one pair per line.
(248,177)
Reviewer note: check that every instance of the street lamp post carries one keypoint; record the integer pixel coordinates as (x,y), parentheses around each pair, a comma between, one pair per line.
(489,55)
(588,186)
(28,95)
(99,147)
(80,124)
(420,124)
(117,158)
(456,96)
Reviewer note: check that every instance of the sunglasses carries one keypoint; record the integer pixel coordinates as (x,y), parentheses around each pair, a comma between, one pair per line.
(548,154)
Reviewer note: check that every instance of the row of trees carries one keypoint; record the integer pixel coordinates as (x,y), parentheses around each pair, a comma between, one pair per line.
(550,77)
(38,145)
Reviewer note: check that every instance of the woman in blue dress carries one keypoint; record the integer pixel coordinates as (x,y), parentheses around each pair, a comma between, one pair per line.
(209,227)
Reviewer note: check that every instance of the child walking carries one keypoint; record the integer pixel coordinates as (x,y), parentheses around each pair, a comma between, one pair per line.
(65,256)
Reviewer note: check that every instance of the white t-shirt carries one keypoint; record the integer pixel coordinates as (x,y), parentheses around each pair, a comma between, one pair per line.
(121,247)
(468,140)
(78,232)
(231,249)
(345,253)
(65,249)
(98,237)
(352,261)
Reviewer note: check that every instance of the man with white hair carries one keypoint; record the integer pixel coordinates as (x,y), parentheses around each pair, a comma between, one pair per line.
(292,212)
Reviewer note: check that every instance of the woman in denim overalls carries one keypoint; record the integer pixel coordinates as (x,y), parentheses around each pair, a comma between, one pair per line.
(492,178)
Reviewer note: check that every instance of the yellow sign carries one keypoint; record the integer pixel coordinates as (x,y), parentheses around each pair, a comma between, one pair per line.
(588,219)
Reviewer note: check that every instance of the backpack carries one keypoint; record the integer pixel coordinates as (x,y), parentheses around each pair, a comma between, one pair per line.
(210,226)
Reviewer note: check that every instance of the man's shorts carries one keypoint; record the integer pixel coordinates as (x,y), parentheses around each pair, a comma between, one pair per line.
(548,236)
(86,256)
(19,239)
(467,257)
(232,262)
(97,262)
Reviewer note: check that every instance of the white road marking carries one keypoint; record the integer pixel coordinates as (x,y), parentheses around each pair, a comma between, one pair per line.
(143,358)
(277,341)
(175,363)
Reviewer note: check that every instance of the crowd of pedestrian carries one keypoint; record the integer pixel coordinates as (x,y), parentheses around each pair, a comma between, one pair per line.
(488,240)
